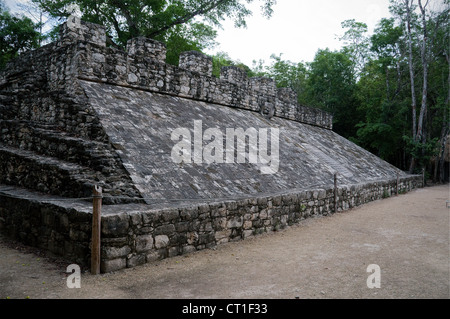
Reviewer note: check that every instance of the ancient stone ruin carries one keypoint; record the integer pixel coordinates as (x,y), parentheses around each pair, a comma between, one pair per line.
(76,113)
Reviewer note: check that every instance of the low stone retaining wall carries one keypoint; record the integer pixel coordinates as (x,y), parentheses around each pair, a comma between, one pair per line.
(61,228)
(134,234)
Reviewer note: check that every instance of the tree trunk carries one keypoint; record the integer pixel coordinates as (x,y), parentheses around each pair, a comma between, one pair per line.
(442,160)
(424,53)
(408,6)
(444,135)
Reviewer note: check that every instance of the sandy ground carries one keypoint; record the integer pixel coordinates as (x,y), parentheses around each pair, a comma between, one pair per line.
(406,236)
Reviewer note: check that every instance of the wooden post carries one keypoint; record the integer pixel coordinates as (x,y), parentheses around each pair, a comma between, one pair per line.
(96,220)
(335,192)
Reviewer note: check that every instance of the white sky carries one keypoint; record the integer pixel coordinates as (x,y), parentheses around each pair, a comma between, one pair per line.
(297,29)
(12,3)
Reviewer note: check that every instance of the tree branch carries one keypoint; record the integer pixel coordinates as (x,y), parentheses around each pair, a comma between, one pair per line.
(132,26)
(186,18)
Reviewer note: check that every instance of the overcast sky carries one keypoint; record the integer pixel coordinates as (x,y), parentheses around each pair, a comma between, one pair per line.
(297,29)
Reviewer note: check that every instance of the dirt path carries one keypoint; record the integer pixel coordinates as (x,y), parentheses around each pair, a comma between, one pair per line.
(407,236)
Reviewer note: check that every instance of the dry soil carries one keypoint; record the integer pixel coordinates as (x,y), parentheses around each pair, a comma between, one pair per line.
(327,257)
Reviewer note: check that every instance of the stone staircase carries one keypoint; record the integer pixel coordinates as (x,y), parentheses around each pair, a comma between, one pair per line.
(43,158)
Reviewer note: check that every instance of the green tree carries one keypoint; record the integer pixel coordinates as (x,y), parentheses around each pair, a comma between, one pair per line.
(408,63)
(438,90)
(289,74)
(382,96)
(385,111)
(181,24)
(192,37)
(427,66)
(356,43)
(332,87)
(222,59)
(42,20)
(17,34)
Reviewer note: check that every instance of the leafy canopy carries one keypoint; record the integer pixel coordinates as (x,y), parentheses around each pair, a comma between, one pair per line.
(17,34)
(164,20)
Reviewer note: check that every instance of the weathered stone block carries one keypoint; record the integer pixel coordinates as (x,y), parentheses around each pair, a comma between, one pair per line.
(188,249)
(276,200)
(144,243)
(196,62)
(115,252)
(188,213)
(220,223)
(234,75)
(165,230)
(161,241)
(143,230)
(115,226)
(113,265)
(218,210)
(287,95)
(263,214)
(170,215)
(148,218)
(192,238)
(247,233)
(114,241)
(136,260)
(78,235)
(235,222)
(75,29)
(182,227)
(173,251)
(147,48)
(206,226)
(152,256)
(136,219)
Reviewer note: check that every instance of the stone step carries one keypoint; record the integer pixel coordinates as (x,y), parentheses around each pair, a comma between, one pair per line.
(51,142)
(96,157)
(45,174)
(57,177)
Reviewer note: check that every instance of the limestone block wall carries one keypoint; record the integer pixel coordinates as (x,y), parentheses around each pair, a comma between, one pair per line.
(196,62)
(44,109)
(143,66)
(137,237)
(43,82)
(57,163)
(134,234)
(146,73)
(75,28)
(40,87)
(51,140)
(59,227)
